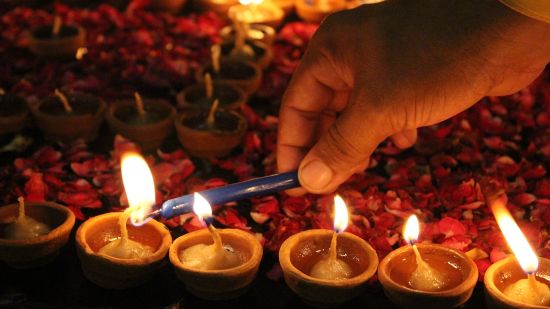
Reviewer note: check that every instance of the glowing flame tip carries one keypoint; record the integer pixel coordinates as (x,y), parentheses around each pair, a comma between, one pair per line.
(411,229)
(341,216)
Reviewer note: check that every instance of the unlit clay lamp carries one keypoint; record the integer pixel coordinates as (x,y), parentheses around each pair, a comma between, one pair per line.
(257,12)
(31,235)
(426,275)
(316,10)
(327,268)
(202,95)
(67,117)
(243,74)
(254,32)
(241,48)
(210,133)
(519,281)
(215,264)
(13,113)
(114,253)
(145,121)
(57,40)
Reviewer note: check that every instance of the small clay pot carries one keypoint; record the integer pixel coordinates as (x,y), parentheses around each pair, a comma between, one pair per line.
(171,6)
(40,250)
(200,141)
(256,32)
(505,272)
(229,96)
(243,74)
(300,252)
(262,52)
(218,284)
(14,113)
(220,7)
(58,125)
(149,132)
(271,14)
(115,273)
(396,268)
(314,14)
(64,45)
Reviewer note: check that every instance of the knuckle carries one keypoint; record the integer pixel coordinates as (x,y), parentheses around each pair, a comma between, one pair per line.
(339,151)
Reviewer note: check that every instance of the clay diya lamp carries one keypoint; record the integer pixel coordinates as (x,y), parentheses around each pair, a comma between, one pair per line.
(215,264)
(257,12)
(120,250)
(327,268)
(13,113)
(316,10)
(210,133)
(243,74)
(145,121)
(57,40)
(519,281)
(427,275)
(171,6)
(203,95)
(255,32)
(242,48)
(31,235)
(67,117)
(220,7)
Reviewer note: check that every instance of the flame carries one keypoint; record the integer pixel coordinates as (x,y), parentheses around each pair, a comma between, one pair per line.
(201,207)
(251,2)
(340,214)
(139,185)
(411,229)
(525,255)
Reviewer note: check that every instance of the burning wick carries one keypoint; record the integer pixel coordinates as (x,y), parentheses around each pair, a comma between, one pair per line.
(529,290)
(56,27)
(64,101)
(139,104)
(331,267)
(216,52)
(211,119)
(140,190)
(424,277)
(25,227)
(214,256)
(208,85)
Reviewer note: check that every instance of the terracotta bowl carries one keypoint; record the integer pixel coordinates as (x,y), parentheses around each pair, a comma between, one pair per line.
(57,125)
(230,96)
(218,284)
(243,74)
(220,7)
(14,113)
(171,6)
(312,13)
(257,32)
(300,252)
(505,272)
(39,250)
(396,268)
(205,143)
(149,135)
(262,52)
(114,273)
(65,45)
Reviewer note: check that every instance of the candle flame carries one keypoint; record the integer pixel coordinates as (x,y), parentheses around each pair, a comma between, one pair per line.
(525,255)
(201,207)
(341,216)
(249,2)
(139,185)
(411,229)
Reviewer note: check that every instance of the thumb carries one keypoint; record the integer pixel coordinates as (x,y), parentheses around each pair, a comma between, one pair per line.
(347,144)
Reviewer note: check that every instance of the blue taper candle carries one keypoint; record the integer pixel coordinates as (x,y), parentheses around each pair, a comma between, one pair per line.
(233,192)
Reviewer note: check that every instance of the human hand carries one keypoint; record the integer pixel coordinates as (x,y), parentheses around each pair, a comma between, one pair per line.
(384,70)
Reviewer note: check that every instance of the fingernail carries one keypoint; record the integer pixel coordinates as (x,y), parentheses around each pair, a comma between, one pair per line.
(315,175)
